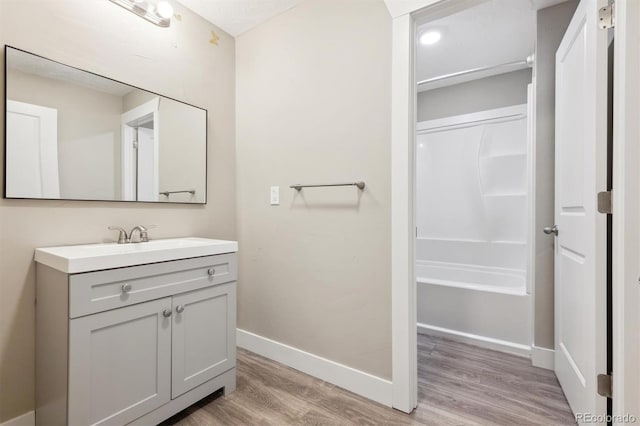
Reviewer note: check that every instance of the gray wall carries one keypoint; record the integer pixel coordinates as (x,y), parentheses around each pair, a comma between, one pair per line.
(314,105)
(497,91)
(552,24)
(178,62)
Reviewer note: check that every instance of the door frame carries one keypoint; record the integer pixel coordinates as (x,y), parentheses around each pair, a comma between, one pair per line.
(128,174)
(404,346)
(626,201)
(626,212)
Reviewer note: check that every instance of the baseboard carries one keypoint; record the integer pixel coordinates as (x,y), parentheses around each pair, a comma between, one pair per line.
(356,381)
(473,339)
(543,357)
(27,419)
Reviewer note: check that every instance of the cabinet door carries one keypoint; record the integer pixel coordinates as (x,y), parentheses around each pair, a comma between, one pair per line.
(119,363)
(204,336)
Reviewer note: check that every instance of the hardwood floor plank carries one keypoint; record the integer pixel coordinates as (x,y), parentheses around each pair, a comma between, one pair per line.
(459,384)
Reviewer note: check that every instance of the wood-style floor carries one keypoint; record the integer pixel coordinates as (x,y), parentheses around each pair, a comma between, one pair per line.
(459,384)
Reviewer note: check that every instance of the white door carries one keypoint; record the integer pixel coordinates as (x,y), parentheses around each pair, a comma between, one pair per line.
(32,151)
(580,250)
(119,364)
(204,342)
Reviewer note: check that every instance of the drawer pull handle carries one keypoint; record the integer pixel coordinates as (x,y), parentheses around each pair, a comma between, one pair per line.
(179,309)
(167,313)
(126,288)
(211,272)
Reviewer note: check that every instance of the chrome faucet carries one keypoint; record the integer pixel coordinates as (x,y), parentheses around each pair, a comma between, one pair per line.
(124,238)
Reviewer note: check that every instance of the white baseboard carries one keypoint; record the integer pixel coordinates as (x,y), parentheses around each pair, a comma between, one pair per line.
(356,381)
(27,419)
(473,339)
(543,358)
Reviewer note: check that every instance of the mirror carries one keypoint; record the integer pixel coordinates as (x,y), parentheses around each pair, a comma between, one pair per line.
(74,135)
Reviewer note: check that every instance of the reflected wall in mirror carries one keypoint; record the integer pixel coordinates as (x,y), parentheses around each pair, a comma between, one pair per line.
(74,135)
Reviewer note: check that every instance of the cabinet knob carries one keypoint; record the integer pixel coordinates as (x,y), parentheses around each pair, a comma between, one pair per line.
(211,272)
(179,309)
(167,313)
(126,288)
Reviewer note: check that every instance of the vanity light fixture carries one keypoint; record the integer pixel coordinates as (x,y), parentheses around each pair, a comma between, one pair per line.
(159,14)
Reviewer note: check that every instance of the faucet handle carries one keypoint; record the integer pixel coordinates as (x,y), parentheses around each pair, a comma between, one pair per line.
(122,238)
(144,235)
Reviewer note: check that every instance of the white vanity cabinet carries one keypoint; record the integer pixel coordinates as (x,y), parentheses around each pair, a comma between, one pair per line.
(134,345)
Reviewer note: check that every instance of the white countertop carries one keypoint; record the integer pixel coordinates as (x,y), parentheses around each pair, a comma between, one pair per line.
(95,257)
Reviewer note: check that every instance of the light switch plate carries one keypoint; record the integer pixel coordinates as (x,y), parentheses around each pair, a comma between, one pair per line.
(275,195)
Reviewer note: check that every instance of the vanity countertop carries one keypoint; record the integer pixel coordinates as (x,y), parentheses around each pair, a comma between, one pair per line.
(95,257)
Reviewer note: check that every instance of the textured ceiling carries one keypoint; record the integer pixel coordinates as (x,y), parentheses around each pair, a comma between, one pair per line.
(238,16)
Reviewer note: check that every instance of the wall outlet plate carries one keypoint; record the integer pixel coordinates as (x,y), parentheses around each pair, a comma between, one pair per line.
(275,195)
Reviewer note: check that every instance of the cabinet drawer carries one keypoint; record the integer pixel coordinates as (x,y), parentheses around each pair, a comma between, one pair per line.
(103,290)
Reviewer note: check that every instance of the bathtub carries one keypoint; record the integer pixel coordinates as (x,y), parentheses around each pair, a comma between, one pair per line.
(472,277)
(479,304)
(472,228)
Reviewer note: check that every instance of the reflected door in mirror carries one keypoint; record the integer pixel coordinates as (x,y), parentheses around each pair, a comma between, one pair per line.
(34,165)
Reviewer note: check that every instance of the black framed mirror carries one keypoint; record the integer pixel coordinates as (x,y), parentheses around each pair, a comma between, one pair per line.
(71,134)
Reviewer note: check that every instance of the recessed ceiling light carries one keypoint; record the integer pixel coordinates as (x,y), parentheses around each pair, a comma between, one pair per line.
(430,37)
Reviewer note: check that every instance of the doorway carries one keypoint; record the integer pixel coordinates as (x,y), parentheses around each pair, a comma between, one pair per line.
(140,145)
(403,249)
(476,164)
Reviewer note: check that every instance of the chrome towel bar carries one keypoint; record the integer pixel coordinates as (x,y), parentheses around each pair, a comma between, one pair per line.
(190,191)
(359,184)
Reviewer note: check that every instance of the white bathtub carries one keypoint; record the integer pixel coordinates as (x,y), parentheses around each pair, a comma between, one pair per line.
(482,305)
(472,221)
(472,277)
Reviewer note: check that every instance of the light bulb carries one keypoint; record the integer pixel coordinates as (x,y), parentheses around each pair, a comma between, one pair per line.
(164,9)
(430,37)
(140,5)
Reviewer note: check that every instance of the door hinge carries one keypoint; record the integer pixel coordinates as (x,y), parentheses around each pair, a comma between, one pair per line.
(605,202)
(605,385)
(607,17)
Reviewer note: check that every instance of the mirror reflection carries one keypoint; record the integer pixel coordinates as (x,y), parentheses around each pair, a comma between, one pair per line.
(74,135)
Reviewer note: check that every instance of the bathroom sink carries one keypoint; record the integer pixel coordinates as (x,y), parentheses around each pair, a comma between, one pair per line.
(94,257)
